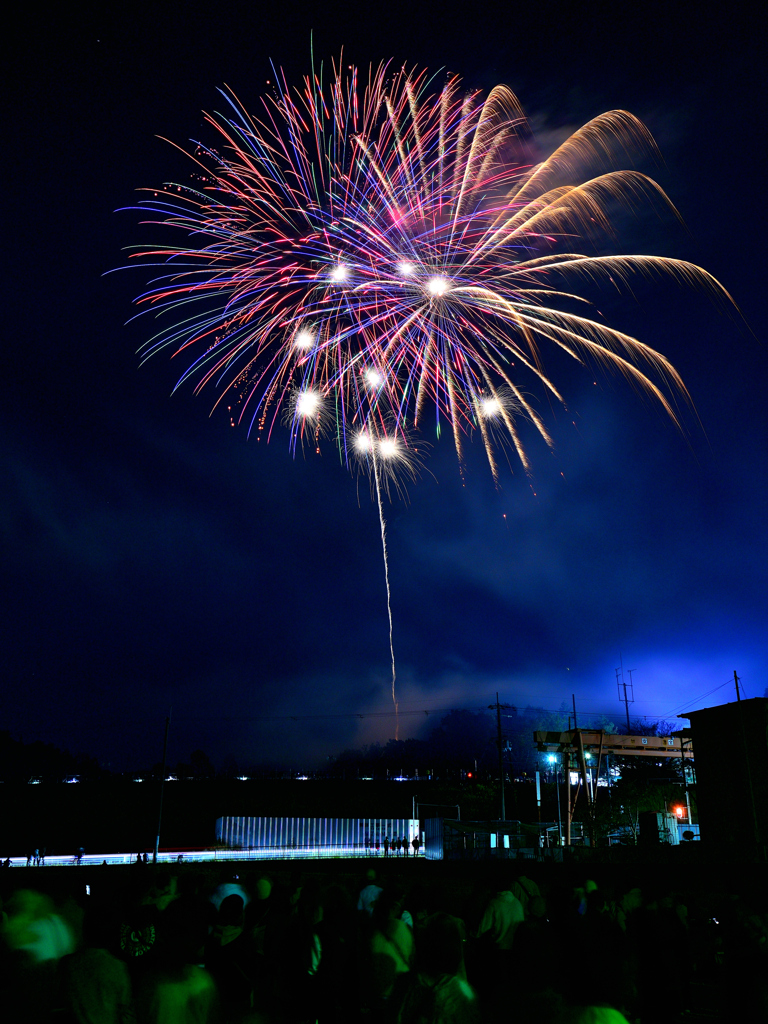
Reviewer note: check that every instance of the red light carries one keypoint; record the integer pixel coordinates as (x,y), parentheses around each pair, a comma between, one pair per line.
(680,811)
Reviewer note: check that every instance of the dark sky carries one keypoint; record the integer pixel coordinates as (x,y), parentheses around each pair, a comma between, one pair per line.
(153,556)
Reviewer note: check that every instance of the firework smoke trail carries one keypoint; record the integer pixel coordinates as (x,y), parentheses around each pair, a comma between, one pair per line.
(386,460)
(375,460)
(368,252)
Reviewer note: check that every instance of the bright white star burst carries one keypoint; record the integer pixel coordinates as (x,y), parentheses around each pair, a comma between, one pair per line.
(303,339)
(437,286)
(490,407)
(308,404)
(388,448)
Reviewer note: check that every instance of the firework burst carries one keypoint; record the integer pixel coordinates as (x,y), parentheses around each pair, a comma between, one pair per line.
(397,253)
(375,252)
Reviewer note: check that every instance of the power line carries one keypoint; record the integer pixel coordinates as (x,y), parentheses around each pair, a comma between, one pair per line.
(697,699)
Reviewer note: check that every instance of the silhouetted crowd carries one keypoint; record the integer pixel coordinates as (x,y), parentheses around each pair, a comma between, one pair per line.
(189,948)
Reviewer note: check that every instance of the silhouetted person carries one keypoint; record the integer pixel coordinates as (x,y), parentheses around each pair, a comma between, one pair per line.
(391,949)
(439,990)
(369,893)
(230,957)
(175,988)
(96,985)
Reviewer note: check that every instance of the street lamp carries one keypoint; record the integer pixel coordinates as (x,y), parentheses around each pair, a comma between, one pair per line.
(553,760)
(588,764)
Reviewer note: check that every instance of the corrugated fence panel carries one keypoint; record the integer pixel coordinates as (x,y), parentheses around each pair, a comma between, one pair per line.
(255,833)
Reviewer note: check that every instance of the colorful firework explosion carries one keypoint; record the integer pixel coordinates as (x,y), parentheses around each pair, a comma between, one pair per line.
(363,256)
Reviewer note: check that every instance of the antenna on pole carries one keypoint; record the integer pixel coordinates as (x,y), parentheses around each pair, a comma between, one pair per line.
(628,696)
(498,707)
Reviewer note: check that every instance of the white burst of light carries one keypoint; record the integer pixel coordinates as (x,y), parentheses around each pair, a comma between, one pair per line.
(303,339)
(308,404)
(490,407)
(437,286)
(388,448)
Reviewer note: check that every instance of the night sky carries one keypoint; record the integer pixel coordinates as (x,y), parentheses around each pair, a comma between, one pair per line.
(155,557)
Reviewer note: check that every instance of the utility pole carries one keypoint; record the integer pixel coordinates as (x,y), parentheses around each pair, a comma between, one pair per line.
(736,680)
(621,685)
(162,786)
(499,744)
(587,785)
(685,779)
(568,802)
(538,803)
